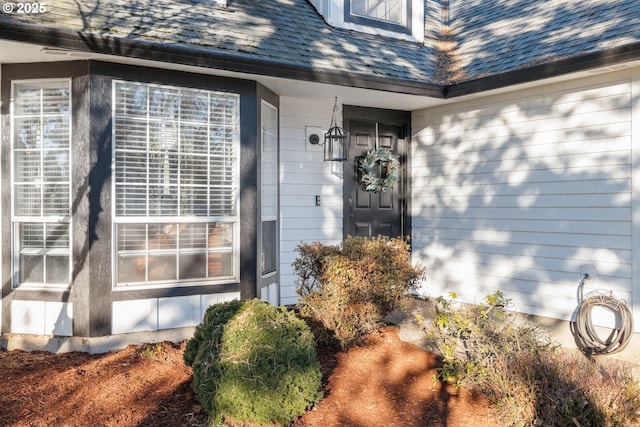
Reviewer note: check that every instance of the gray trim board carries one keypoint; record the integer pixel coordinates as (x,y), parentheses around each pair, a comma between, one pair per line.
(181,291)
(392,117)
(249,205)
(96,230)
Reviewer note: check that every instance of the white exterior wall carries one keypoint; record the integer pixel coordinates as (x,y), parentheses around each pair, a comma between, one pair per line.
(42,318)
(303,176)
(322,6)
(156,314)
(517,192)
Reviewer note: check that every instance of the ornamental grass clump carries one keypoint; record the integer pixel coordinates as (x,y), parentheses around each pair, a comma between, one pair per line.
(528,379)
(254,363)
(346,290)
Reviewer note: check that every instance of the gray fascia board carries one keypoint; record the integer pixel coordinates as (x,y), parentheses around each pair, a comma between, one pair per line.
(610,57)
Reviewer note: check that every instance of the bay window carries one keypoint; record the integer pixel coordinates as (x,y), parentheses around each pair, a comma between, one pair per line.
(41,196)
(175,185)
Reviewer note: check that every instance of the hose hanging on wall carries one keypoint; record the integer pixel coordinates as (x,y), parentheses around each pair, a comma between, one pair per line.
(585,332)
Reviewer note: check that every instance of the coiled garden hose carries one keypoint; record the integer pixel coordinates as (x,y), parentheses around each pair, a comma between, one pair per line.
(586,336)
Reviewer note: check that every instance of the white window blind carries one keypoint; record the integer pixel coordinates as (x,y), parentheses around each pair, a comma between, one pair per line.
(41,196)
(175,182)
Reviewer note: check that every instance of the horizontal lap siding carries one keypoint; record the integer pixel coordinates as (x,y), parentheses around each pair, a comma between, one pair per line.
(517,193)
(303,176)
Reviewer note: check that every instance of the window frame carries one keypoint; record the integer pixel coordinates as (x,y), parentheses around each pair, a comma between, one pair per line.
(179,220)
(44,220)
(270,220)
(369,21)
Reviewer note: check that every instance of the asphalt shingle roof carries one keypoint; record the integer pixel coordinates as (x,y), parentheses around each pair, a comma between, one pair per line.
(485,37)
(498,36)
(282,31)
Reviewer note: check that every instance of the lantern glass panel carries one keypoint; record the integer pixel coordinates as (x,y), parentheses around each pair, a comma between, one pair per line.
(334,145)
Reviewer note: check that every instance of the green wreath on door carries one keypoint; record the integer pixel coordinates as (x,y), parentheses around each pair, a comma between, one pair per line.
(386,158)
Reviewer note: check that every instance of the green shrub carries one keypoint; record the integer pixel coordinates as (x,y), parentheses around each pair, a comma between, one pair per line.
(529,380)
(253,362)
(350,288)
(207,335)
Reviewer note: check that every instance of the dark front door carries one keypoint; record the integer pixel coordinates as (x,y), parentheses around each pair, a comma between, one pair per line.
(371,213)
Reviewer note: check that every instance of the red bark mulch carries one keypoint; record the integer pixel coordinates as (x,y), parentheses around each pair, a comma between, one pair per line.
(388,382)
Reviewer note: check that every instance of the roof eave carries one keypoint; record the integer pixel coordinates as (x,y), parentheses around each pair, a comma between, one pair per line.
(205,58)
(578,63)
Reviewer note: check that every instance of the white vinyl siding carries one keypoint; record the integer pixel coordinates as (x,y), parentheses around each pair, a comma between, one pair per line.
(517,192)
(303,176)
(175,184)
(41,183)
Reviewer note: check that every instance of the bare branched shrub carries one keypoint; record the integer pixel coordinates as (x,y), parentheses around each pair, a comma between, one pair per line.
(470,336)
(561,388)
(529,380)
(349,288)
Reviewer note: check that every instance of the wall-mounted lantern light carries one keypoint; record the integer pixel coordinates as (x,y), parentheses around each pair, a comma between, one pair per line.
(334,140)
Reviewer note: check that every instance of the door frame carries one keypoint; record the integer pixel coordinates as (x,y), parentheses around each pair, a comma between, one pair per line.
(388,117)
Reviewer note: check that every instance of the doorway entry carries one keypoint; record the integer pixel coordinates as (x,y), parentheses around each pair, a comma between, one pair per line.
(371,213)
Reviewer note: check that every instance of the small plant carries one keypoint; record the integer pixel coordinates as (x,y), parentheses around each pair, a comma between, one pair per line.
(254,363)
(155,351)
(526,377)
(469,336)
(349,288)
